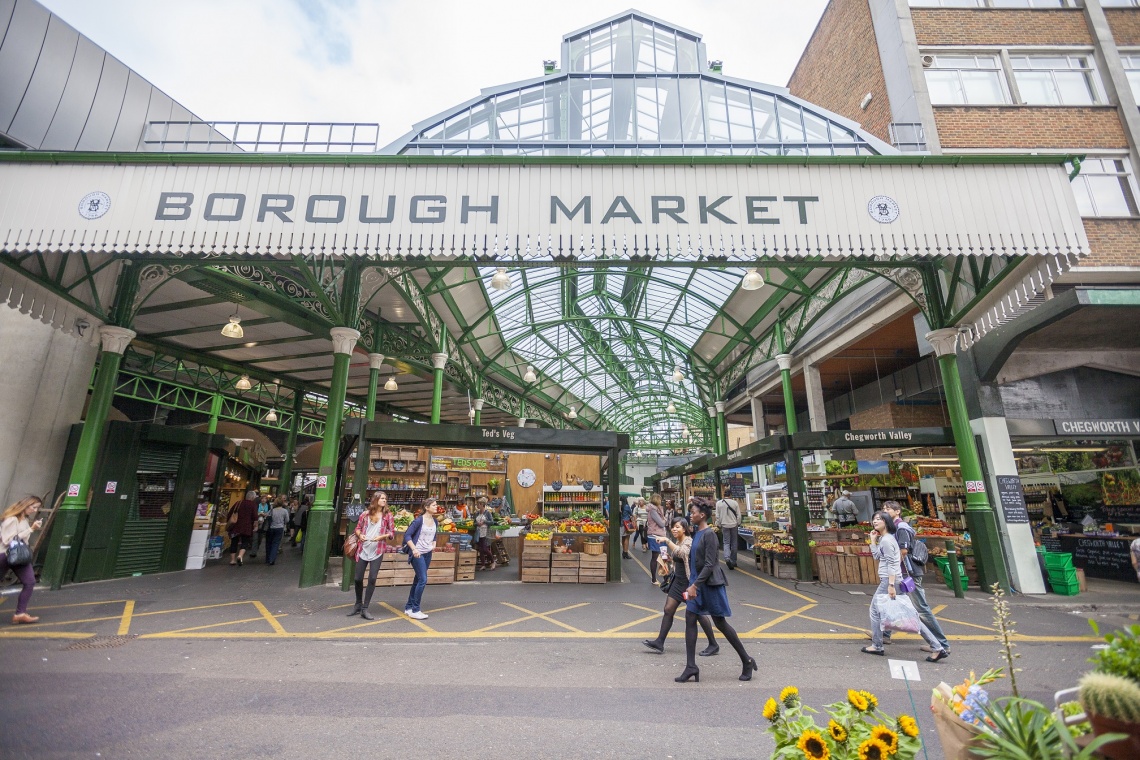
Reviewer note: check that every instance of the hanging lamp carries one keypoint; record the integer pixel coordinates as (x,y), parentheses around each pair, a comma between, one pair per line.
(391,384)
(243,383)
(501,280)
(271,416)
(678,375)
(529,377)
(753,280)
(233,329)
(671,409)
(573,414)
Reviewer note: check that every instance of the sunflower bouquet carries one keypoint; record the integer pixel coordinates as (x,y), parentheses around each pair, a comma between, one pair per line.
(856,729)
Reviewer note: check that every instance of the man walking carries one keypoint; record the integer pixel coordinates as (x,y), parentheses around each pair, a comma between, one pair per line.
(911,553)
(728,519)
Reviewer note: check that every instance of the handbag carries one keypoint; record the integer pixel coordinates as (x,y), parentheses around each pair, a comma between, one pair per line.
(907,585)
(629,525)
(666,582)
(351,546)
(19,553)
(232,521)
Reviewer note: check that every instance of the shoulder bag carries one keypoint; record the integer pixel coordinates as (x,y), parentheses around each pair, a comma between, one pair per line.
(19,553)
(351,546)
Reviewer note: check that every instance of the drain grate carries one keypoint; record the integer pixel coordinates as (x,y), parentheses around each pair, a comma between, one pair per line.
(101,642)
(309,608)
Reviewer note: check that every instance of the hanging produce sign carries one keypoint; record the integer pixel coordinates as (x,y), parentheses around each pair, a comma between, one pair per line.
(465,464)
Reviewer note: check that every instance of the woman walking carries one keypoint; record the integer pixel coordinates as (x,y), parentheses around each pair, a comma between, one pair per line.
(241,521)
(655,527)
(885,549)
(641,517)
(373,530)
(419,543)
(706,595)
(676,554)
(16,523)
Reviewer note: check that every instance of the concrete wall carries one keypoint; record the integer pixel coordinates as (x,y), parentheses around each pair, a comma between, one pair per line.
(1081,393)
(43,392)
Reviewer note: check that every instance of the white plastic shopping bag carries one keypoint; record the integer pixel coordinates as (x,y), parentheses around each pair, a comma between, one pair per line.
(897,614)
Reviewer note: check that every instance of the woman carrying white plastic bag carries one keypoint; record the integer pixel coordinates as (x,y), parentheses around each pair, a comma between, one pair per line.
(886,550)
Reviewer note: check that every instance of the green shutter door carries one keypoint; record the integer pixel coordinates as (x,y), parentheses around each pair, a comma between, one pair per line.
(140,550)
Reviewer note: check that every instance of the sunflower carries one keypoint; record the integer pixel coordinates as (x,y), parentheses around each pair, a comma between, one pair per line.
(873,749)
(771,709)
(813,746)
(857,700)
(887,737)
(789,696)
(871,700)
(908,726)
(838,732)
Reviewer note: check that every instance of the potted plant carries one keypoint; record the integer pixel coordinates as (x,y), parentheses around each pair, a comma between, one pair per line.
(493,486)
(1110,694)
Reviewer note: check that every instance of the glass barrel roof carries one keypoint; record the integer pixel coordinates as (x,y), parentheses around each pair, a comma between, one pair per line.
(634,85)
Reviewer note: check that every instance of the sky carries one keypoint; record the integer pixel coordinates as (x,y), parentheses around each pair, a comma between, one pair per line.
(394,62)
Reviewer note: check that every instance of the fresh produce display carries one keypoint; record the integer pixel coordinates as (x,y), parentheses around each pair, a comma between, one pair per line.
(542,523)
(587,515)
(580,526)
(931,527)
(539,535)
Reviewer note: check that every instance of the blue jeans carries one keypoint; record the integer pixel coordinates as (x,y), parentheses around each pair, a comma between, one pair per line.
(877,630)
(273,544)
(918,599)
(420,567)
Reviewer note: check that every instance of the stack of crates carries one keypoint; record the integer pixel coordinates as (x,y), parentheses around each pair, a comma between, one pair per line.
(1062,574)
(943,564)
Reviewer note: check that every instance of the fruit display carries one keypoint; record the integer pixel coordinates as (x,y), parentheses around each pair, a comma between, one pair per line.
(538,535)
(594,515)
(541,523)
(932,527)
(580,526)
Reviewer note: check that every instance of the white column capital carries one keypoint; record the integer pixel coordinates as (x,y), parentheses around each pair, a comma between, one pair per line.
(944,341)
(522,421)
(478,403)
(375,361)
(711,409)
(116,339)
(784,361)
(344,339)
(720,406)
(439,361)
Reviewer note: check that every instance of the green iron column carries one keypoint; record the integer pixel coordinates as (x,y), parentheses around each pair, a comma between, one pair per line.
(438,362)
(291,442)
(796,496)
(215,412)
(59,562)
(715,429)
(478,404)
(320,524)
(722,427)
(980,518)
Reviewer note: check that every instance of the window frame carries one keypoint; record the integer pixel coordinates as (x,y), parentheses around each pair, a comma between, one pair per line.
(989,5)
(1127,172)
(1008,77)
(1096,83)
(1008,94)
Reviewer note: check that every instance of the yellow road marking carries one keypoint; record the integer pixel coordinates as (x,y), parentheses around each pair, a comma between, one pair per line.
(645,619)
(44,635)
(639,607)
(809,617)
(938,609)
(363,625)
(417,623)
(269,617)
(139,614)
(643,567)
(532,615)
(167,634)
(431,634)
(962,622)
(125,623)
(776,585)
(782,618)
(78,604)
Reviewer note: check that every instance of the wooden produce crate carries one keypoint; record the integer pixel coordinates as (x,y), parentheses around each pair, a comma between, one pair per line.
(564,567)
(828,567)
(869,567)
(534,574)
(850,570)
(534,562)
(465,565)
(592,568)
(784,569)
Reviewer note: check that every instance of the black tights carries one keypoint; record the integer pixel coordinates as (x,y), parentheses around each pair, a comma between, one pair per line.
(373,567)
(722,625)
(671,606)
(653,565)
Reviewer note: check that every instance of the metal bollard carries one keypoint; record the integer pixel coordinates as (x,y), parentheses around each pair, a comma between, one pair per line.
(64,551)
(955,576)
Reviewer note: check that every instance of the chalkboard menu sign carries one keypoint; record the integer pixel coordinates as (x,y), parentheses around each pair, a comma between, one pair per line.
(1120,513)
(1052,544)
(1012,499)
(1101,557)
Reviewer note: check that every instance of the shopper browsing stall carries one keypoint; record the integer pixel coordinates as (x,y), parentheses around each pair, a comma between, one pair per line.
(845,510)
(728,519)
(419,543)
(484,518)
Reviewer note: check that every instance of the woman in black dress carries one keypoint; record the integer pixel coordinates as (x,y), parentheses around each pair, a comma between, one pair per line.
(706,595)
(677,549)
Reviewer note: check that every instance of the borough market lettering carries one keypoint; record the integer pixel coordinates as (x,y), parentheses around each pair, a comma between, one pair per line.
(178,206)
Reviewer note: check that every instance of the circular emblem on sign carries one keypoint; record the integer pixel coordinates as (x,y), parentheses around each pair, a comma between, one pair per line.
(883,209)
(94,205)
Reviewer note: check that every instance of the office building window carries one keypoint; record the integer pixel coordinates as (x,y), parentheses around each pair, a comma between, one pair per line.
(997,3)
(1120,3)
(1132,71)
(1104,188)
(1055,80)
(965,80)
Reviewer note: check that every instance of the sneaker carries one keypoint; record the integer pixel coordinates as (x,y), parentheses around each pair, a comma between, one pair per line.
(418,615)
(408,612)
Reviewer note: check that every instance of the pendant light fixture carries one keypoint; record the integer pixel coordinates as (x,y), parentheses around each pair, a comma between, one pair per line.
(671,409)
(529,377)
(271,416)
(243,383)
(471,416)
(678,375)
(573,414)
(753,280)
(391,384)
(501,280)
(233,328)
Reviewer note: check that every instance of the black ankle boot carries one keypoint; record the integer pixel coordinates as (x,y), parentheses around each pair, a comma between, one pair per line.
(364,613)
(691,671)
(749,669)
(355,610)
(710,650)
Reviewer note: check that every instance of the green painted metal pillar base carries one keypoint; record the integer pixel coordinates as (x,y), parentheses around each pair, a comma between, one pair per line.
(318,536)
(980,518)
(798,506)
(67,531)
(613,560)
(478,404)
(363,462)
(438,361)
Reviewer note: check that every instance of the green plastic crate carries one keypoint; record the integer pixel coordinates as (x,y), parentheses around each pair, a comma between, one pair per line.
(1058,561)
(1065,589)
(944,567)
(1063,576)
